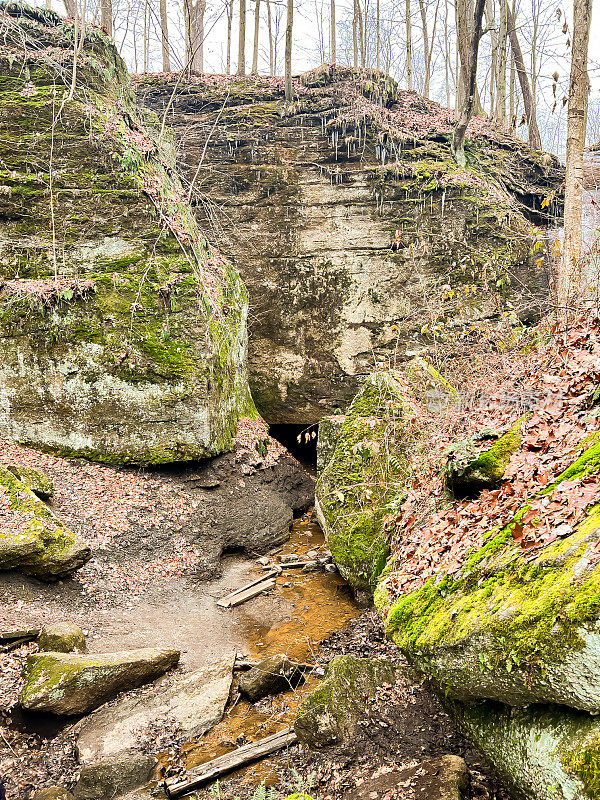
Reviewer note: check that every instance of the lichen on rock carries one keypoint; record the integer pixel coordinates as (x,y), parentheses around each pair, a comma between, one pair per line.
(364,473)
(330,713)
(123,330)
(32,538)
(510,628)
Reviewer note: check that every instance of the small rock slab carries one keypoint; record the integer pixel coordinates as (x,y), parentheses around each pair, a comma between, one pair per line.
(271,676)
(115,776)
(193,705)
(32,539)
(66,684)
(62,637)
(39,483)
(445,778)
(53,793)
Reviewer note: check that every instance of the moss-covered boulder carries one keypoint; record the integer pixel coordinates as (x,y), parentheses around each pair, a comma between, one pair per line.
(122,331)
(511,626)
(67,684)
(366,471)
(39,483)
(62,637)
(475,464)
(329,430)
(32,538)
(330,713)
(541,753)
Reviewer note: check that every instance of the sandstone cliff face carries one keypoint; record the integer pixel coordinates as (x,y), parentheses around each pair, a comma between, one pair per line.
(307,198)
(123,332)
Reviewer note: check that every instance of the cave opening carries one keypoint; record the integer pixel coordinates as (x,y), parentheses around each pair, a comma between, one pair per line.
(300,440)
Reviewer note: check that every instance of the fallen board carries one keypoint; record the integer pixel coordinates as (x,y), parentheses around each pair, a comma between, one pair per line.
(10,636)
(226,602)
(254,591)
(175,787)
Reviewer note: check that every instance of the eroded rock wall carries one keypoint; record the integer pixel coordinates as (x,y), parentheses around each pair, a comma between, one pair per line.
(358,237)
(123,332)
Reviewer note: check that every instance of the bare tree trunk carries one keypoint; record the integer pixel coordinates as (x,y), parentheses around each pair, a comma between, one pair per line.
(71,8)
(194,34)
(500,105)
(377,37)
(355,33)
(332,36)
(256,36)
(490,22)
(146,36)
(229,12)
(426,55)
(288,50)
(466,112)
(164,36)
(270,29)
(535,141)
(106,16)
(569,275)
(241,68)
(512,111)
(361,33)
(409,72)
(446,54)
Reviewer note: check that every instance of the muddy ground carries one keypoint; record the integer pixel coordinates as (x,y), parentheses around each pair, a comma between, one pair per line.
(144,587)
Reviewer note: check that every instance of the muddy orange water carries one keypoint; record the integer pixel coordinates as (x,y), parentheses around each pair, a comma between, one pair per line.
(313,605)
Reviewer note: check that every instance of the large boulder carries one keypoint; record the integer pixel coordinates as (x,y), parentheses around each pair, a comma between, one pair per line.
(192,705)
(32,539)
(539,752)
(68,684)
(122,331)
(366,470)
(312,194)
(329,714)
(510,626)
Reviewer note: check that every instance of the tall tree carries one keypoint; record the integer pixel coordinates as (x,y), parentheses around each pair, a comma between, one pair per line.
(466,112)
(377,36)
(256,37)
(408,53)
(332,36)
(500,104)
(241,68)
(288,50)
(194,34)
(106,16)
(535,140)
(270,31)
(569,274)
(229,14)
(355,33)
(164,36)
(426,55)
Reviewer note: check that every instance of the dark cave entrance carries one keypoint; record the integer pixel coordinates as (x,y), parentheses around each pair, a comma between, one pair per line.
(300,440)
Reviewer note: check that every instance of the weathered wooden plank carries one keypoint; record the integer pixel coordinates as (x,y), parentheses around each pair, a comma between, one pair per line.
(225,602)
(10,636)
(252,592)
(177,786)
